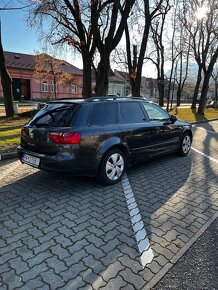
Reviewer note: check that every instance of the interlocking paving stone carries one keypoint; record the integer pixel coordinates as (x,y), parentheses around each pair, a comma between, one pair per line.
(33,284)
(52,279)
(73,271)
(71,233)
(115,283)
(12,280)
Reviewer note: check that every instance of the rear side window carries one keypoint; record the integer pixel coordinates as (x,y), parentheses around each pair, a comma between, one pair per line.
(103,114)
(55,115)
(131,112)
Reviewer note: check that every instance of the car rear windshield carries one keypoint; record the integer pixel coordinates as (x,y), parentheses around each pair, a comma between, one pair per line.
(56,115)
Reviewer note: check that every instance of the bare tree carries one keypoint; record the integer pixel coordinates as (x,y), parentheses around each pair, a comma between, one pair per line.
(113,21)
(157,29)
(202,23)
(148,11)
(51,69)
(6,82)
(69,24)
(173,54)
(184,55)
(88,26)
(178,53)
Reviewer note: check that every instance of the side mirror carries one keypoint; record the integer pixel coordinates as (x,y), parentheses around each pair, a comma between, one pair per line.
(173,119)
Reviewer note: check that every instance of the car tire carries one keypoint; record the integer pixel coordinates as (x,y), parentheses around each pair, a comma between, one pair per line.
(112,167)
(185,144)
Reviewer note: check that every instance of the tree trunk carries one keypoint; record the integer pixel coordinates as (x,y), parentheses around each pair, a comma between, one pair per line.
(102,72)
(161,82)
(6,82)
(87,75)
(178,96)
(169,87)
(204,92)
(136,89)
(205,88)
(196,91)
(141,56)
(161,91)
(216,91)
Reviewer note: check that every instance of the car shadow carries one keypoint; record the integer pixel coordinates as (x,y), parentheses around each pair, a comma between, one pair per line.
(82,218)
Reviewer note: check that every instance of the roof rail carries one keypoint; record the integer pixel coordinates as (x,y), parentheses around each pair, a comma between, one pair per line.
(108,98)
(111,98)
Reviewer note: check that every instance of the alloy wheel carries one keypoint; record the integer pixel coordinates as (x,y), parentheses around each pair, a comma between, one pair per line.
(114,166)
(186,144)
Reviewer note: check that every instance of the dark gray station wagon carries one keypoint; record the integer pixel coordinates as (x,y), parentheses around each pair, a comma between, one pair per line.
(100,137)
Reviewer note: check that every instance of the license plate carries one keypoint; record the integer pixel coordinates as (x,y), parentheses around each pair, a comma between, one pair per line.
(31,160)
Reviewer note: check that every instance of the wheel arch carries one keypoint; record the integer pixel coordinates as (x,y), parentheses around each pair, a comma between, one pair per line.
(187,131)
(110,146)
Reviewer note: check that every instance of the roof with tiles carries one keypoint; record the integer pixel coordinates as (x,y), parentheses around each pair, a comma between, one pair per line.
(19,60)
(27,61)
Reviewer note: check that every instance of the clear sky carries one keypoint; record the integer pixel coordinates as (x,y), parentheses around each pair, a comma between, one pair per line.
(18,36)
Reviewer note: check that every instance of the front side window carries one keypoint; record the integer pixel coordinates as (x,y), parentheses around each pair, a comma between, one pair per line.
(155,113)
(44,86)
(131,112)
(74,89)
(103,114)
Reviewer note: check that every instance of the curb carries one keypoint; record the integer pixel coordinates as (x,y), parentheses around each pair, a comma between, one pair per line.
(204,121)
(9,155)
(13,154)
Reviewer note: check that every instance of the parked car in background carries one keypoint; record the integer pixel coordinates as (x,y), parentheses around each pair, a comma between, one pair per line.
(131,96)
(112,96)
(100,137)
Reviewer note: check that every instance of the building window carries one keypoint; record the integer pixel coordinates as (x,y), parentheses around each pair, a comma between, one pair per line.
(74,89)
(44,86)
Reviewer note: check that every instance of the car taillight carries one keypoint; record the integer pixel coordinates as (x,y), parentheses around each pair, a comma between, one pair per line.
(65,137)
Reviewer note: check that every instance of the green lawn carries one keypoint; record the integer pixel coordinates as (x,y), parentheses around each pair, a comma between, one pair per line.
(190,115)
(10,131)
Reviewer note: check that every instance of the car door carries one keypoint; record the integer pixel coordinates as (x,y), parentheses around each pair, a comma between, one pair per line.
(136,132)
(167,134)
(103,121)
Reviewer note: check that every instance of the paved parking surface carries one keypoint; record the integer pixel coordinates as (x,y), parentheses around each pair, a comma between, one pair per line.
(197,269)
(72,233)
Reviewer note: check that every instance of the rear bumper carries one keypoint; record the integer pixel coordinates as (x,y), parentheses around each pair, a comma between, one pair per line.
(62,162)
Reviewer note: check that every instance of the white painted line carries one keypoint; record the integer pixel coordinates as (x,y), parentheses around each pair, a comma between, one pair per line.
(205,129)
(142,240)
(13,166)
(205,155)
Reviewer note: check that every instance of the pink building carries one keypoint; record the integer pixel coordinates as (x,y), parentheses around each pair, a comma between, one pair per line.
(26,86)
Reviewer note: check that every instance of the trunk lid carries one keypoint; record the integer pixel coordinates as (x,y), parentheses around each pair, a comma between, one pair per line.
(55,117)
